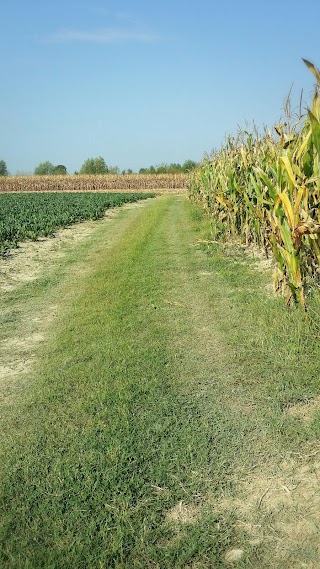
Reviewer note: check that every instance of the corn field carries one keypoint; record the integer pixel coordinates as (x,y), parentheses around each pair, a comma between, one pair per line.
(164,183)
(266,192)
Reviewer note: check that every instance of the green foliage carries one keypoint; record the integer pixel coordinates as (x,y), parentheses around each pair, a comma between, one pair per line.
(27,216)
(114,170)
(189,165)
(48,169)
(3,168)
(44,169)
(173,168)
(60,170)
(94,166)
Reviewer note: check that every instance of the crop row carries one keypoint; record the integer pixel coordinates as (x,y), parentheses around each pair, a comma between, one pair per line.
(267,192)
(88,183)
(29,216)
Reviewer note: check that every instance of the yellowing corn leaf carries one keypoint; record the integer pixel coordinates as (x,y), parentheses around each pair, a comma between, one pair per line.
(286,162)
(244,159)
(299,197)
(288,209)
(304,145)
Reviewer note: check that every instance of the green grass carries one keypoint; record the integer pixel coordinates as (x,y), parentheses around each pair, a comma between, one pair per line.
(164,382)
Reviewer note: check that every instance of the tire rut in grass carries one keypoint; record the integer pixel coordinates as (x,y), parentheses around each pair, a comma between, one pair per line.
(262,485)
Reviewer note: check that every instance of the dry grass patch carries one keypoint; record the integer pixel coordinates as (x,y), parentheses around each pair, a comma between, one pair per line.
(305,410)
(280,510)
(183,513)
(26,263)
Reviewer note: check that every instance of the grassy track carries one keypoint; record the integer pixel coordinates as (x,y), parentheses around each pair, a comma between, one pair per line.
(158,409)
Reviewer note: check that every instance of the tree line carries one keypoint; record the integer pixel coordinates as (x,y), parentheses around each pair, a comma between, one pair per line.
(173,168)
(98,166)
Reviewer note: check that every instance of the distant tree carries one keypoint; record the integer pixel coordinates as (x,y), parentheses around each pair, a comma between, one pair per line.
(60,170)
(94,166)
(44,169)
(114,170)
(189,165)
(88,167)
(161,169)
(3,168)
(173,168)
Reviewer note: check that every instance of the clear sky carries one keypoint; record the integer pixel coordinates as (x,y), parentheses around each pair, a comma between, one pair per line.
(143,82)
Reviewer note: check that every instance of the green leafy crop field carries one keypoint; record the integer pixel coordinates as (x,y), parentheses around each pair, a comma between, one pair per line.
(29,216)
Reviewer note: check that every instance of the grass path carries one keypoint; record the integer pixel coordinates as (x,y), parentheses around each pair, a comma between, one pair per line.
(154,431)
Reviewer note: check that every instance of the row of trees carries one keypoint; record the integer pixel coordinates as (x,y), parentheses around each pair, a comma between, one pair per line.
(173,168)
(48,169)
(99,166)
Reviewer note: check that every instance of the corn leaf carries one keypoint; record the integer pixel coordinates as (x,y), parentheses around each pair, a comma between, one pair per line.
(286,162)
(313,70)
(315,127)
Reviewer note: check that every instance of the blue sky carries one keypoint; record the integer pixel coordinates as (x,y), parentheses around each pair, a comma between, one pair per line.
(144,82)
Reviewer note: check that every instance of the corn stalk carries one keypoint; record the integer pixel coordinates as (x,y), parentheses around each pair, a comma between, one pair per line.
(165,183)
(267,192)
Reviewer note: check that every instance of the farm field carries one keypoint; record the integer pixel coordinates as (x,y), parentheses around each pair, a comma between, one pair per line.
(29,216)
(159,406)
(163,183)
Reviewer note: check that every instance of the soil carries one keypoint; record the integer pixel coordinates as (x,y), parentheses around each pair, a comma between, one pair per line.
(280,510)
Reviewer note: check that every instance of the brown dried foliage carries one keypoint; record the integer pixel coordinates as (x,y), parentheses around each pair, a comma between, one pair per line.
(97,183)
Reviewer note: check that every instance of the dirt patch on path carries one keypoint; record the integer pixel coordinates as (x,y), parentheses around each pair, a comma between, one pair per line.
(18,350)
(183,513)
(281,511)
(25,264)
(305,411)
